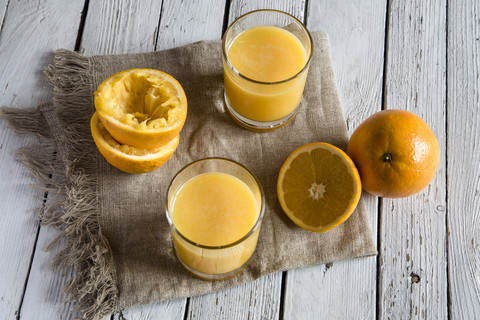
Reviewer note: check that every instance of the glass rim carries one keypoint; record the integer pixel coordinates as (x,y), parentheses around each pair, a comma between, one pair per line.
(305,67)
(243,238)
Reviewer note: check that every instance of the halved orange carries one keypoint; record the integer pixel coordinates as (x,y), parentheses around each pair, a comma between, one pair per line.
(318,186)
(143,108)
(128,158)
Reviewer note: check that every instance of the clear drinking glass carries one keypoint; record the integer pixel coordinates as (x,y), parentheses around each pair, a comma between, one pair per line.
(257,104)
(222,261)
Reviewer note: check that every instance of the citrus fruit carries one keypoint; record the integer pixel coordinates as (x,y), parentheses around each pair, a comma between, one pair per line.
(128,158)
(144,108)
(396,153)
(318,186)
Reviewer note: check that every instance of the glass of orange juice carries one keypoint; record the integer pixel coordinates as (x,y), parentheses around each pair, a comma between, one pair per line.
(266,55)
(215,208)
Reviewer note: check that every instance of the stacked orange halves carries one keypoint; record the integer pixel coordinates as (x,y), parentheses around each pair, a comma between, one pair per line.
(138,118)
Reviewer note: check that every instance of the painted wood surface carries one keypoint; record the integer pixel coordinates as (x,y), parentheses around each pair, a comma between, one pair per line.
(295,8)
(136,22)
(357,48)
(185,22)
(259,299)
(256,300)
(3,9)
(115,27)
(31,31)
(463,157)
(412,275)
(180,23)
(432,69)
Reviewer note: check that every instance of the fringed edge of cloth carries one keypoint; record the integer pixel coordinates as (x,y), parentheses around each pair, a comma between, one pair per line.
(63,164)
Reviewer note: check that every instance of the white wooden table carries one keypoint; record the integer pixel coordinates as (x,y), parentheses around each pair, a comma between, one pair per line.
(422,56)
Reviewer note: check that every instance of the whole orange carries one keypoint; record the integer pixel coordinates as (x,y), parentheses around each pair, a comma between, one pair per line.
(396,153)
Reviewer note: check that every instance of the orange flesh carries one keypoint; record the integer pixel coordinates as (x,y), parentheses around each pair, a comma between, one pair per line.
(214,209)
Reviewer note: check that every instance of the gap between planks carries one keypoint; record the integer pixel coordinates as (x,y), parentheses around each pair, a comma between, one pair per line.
(378,293)
(447,231)
(83,17)
(32,256)
(155,44)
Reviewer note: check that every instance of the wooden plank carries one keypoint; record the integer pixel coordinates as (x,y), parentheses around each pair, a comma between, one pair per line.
(171,309)
(110,28)
(115,27)
(248,300)
(115,19)
(199,20)
(413,278)
(295,8)
(30,32)
(463,154)
(43,296)
(259,299)
(356,32)
(185,22)
(255,300)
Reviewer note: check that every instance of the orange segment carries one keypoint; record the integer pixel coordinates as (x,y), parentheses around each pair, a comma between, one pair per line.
(128,158)
(144,108)
(318,186)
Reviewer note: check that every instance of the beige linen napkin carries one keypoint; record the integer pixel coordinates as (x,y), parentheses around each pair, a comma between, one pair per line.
(119,239)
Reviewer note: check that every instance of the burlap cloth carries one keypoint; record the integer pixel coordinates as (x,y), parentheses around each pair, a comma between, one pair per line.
(119,239)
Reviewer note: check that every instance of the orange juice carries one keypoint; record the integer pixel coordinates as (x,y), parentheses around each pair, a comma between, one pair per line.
(265,54)
(215,209)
